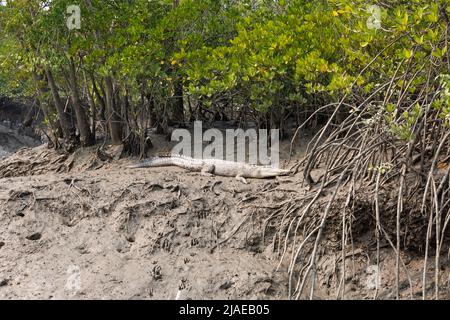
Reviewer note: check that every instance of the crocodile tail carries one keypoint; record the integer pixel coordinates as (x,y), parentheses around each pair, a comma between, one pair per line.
(142,164)
(153,162)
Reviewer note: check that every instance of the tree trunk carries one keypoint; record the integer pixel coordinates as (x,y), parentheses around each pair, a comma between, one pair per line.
(30,117)
(151,112)
(100,100)
(92,106)
(48,109)
(178,103)
(86,136)
(113,117)
(64,120)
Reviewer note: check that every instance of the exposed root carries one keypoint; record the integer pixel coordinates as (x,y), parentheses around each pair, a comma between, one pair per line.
(386,171)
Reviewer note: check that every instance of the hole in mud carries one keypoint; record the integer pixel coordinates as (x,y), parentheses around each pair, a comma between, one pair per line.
(34,236)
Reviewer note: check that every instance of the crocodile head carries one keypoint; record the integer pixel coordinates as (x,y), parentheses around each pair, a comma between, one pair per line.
(269,172)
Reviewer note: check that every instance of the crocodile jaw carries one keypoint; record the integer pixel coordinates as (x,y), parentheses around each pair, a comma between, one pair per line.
(269,172)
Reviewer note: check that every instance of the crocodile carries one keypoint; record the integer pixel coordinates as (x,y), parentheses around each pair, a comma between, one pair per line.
(209,167)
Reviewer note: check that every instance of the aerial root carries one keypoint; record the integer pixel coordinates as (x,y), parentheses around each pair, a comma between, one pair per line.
(371,179)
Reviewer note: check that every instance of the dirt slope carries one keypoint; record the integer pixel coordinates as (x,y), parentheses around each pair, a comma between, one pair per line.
(131,234)
(78,227)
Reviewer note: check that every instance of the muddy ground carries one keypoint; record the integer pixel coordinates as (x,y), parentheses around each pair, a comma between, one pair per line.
(79,227)
(132,234)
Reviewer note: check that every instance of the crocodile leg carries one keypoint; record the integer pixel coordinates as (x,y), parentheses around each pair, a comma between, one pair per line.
(240,178)
(207,171)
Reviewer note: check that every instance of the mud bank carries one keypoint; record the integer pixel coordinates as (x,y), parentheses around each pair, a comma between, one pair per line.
(73,227)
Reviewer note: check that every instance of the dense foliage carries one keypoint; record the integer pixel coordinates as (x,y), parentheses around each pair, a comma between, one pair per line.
(136,64)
